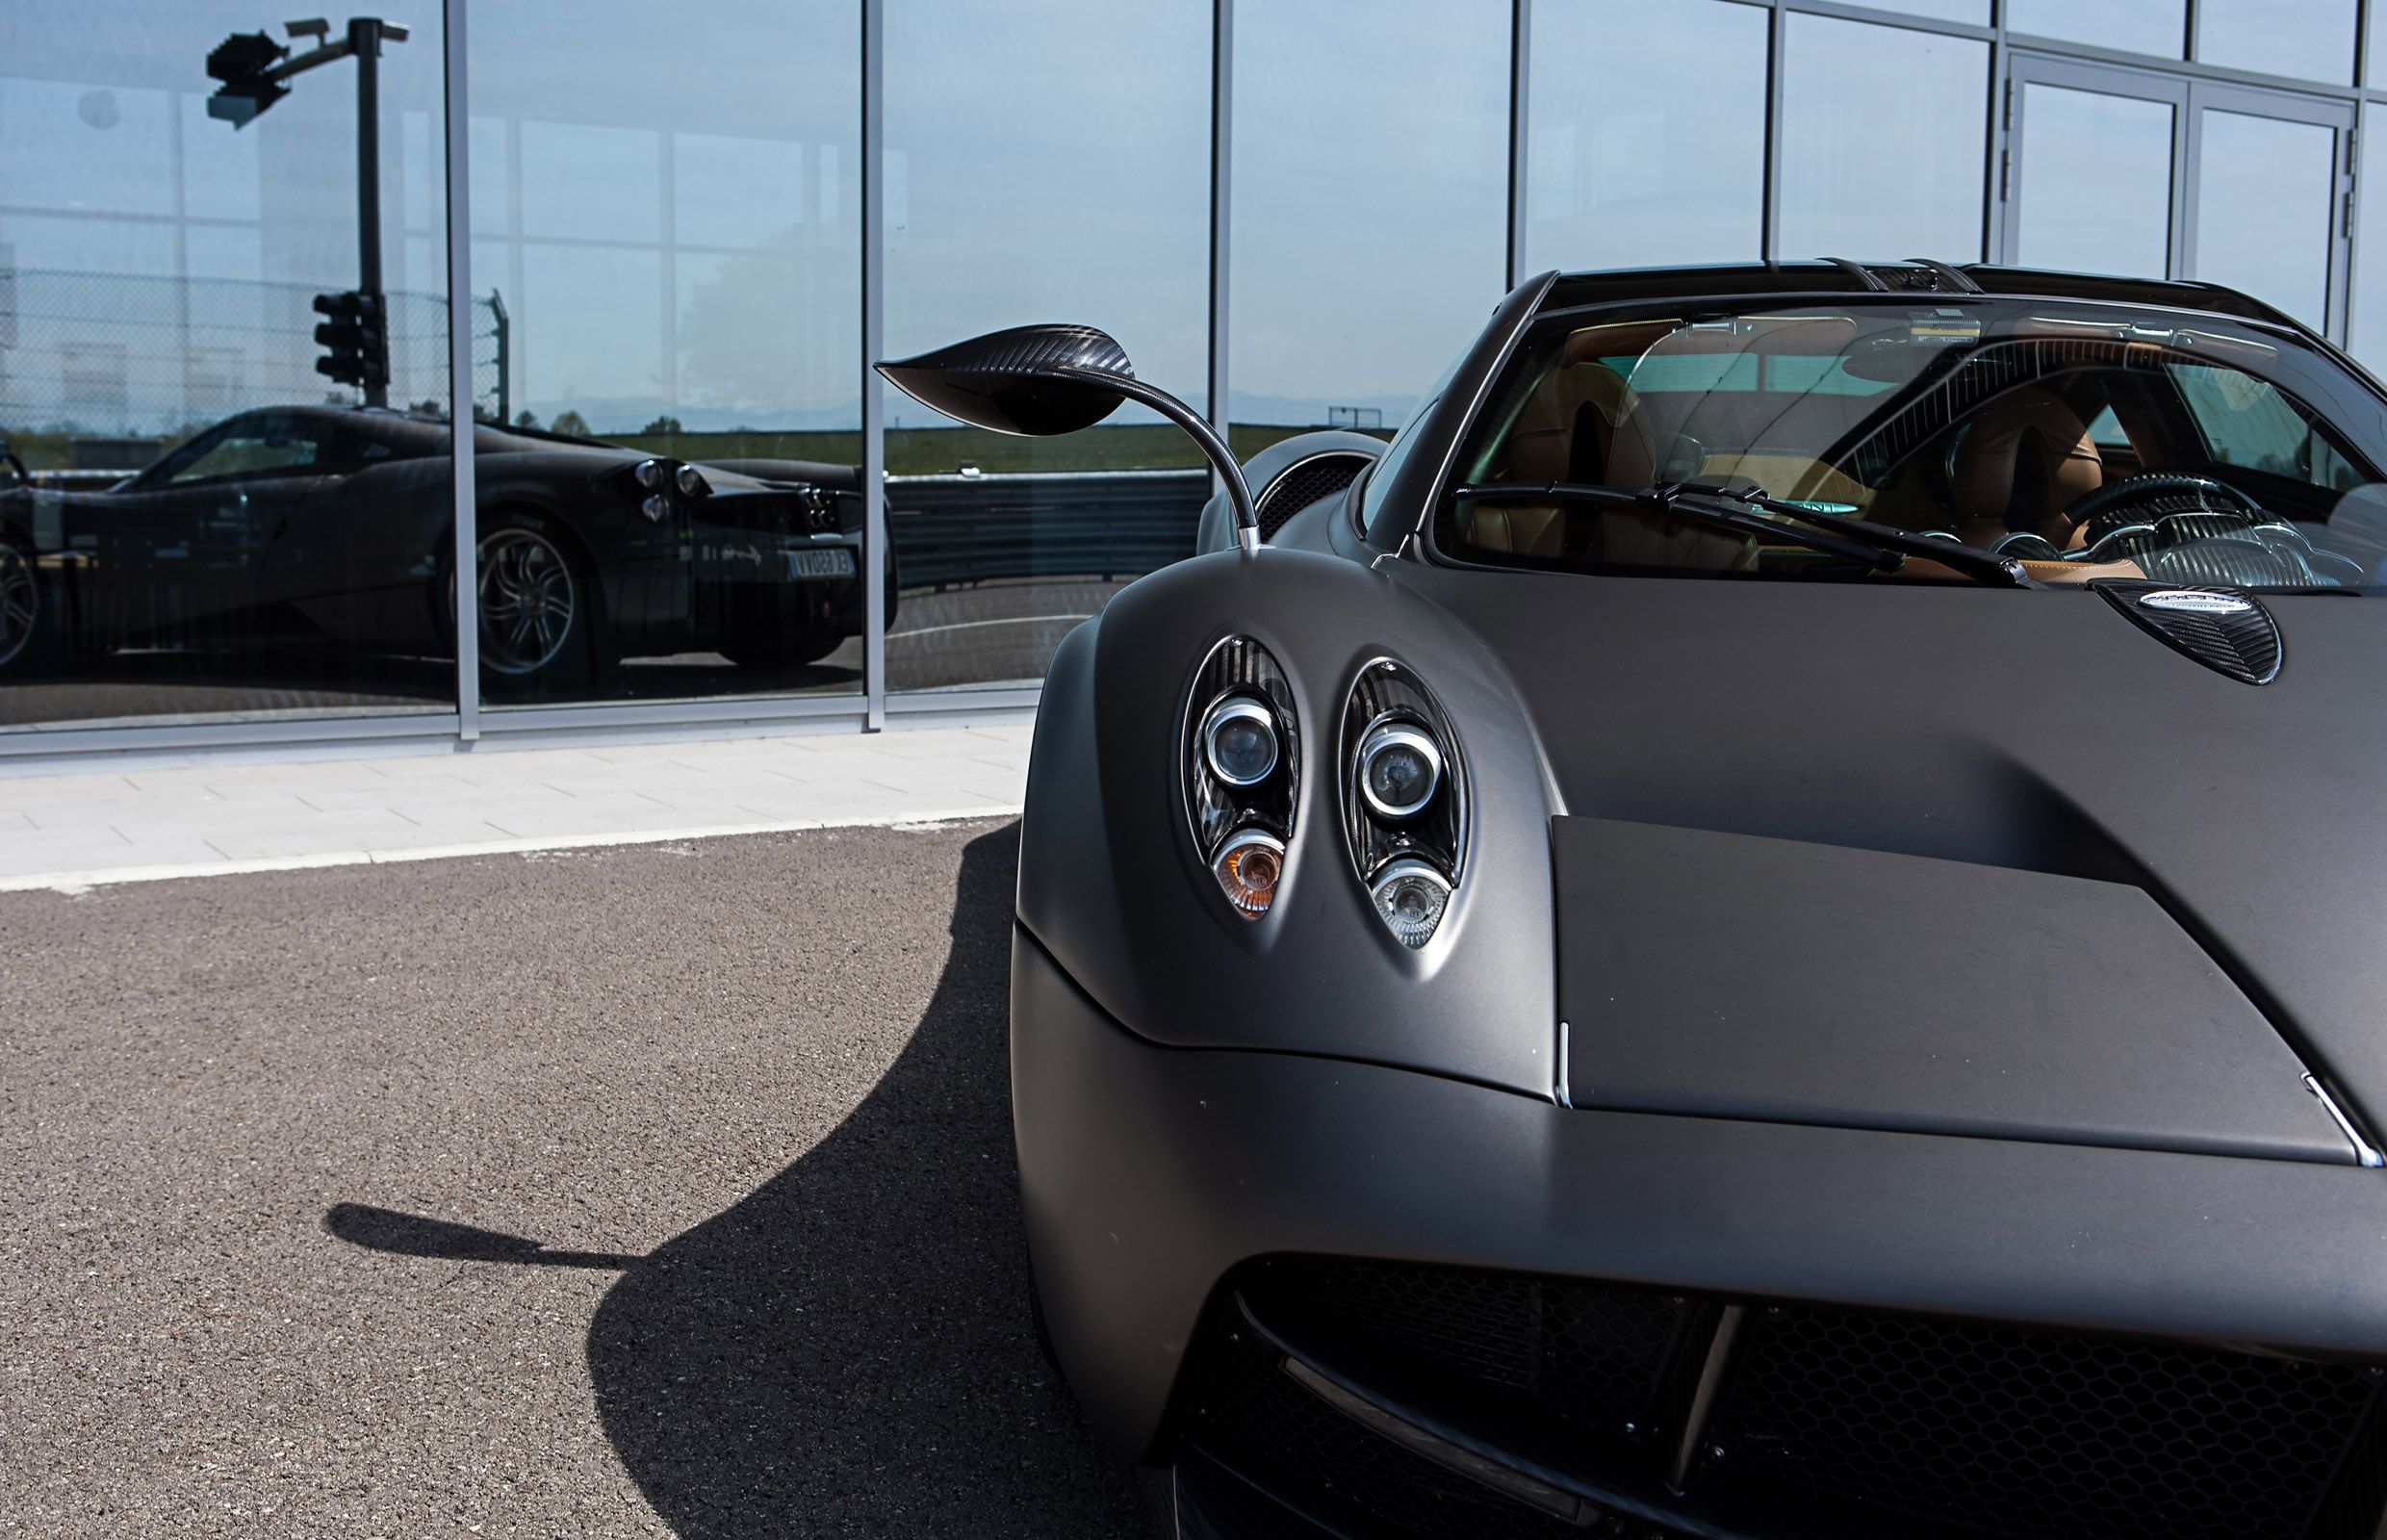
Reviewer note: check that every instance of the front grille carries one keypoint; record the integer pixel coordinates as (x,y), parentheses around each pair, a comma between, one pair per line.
(2031,1433)
(1859,1426)
(1304,483)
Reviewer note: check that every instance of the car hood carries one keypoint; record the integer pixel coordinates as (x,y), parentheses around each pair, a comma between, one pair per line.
(1955,858)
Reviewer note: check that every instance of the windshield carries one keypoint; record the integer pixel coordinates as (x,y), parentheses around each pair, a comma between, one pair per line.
(2084,440)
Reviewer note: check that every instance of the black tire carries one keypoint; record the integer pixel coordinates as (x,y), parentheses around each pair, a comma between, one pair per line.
(26,627)
(538,610)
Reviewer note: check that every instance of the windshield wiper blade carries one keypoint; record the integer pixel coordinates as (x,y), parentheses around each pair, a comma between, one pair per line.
(1657,500)
(1982,566)
(1877,545)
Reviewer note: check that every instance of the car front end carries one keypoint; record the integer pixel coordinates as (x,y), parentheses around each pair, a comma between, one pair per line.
(1646,1003)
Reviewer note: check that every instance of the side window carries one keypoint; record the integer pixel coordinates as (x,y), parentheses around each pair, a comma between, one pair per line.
(261,446)
(2247,424)
(2106,431)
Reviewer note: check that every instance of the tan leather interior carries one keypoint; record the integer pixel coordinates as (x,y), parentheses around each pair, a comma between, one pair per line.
(2025,457)
(2046,572)
(1578,425)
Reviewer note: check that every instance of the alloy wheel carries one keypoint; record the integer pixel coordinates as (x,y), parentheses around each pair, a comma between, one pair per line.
(20,602)
(527,601)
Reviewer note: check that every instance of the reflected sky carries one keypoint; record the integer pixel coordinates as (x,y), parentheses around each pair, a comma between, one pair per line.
(2157,27)
(1629,162)
(2313,40)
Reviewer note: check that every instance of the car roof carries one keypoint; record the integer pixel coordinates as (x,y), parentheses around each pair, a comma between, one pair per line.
(1841,275)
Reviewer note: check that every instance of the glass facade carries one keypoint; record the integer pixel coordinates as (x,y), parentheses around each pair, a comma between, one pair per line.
(236,324)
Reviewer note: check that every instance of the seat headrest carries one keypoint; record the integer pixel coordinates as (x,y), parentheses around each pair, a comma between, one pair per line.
(2024,458)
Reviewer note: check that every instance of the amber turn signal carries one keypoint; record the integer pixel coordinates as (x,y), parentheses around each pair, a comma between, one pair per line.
(1247,868)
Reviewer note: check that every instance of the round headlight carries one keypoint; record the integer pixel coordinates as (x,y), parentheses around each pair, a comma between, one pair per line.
(1239,740)
(1400,768)
(652,476)
(1248,866)
(1410,895)
(691,484)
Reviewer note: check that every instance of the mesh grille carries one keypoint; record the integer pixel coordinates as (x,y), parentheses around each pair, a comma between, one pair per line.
(1254,1418)
(1589,1353)
(1304,483)
(2039,1434)
(1855,1425)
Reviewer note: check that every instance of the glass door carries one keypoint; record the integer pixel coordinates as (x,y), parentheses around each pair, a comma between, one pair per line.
(2269,199)
(2117,170)
(2096,158)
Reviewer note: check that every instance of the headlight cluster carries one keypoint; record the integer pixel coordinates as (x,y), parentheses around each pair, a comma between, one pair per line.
(1241,772)
(1405,799)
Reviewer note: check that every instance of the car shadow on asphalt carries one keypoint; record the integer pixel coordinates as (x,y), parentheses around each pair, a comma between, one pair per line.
(848,1350)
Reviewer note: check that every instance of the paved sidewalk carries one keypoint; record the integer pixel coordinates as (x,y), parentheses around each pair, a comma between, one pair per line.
(111,825)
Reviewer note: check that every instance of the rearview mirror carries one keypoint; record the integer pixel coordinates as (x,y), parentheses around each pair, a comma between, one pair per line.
(1044,381)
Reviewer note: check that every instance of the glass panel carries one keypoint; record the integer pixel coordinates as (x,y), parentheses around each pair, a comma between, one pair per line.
(2313,40)
(1370,219)
(2266,200)
(1852,189)
(2367,325)
(2141,26)
(2159,27)
(1974,12)
(670,260)
(2096,194)
(1625,166)
(196,524)
(1045,162)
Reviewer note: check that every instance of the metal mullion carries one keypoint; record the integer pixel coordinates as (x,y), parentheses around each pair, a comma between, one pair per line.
(1520,124)
(1769,216)
(873,340)
(1222,211)
(466,560)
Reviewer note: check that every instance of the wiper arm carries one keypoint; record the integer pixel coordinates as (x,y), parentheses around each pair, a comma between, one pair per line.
(1982,566)
(1878,546)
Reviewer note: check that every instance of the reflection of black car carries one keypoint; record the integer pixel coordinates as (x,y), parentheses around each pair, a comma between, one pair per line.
(1768,929)
(327,521)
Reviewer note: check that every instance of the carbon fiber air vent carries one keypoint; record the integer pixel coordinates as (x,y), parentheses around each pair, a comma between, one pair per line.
(2228,632)
(1302,483)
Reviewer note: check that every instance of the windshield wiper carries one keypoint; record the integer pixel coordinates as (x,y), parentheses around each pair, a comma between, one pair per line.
(1877,545)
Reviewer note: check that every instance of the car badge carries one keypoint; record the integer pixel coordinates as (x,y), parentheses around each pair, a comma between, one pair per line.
(2196,601)
(2228,631)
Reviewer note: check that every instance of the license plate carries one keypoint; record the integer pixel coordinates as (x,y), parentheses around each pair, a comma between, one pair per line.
(830,561)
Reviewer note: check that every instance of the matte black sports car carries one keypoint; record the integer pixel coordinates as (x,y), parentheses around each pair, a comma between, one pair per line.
(337,521)
(1770,926)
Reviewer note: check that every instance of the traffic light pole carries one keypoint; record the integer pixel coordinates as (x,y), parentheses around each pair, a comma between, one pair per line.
(364,44)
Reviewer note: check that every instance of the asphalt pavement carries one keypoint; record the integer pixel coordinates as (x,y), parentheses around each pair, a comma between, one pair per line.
(646,1189)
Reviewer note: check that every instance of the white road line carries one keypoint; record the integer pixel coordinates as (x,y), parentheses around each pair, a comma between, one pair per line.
(73,883)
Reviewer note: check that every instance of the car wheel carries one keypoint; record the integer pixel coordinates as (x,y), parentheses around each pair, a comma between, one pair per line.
(536,609)
(20,607)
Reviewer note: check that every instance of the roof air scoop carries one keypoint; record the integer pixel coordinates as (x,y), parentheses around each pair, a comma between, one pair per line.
(2228,631)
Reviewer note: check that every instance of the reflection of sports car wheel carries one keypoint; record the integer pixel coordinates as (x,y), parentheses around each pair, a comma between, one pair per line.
(20,606)
(534,608)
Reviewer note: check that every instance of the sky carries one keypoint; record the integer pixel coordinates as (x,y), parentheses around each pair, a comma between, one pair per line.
(667,200)
(671,215)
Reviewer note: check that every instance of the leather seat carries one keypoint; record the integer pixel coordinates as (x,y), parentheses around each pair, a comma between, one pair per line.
(1585,423)
(2022,460)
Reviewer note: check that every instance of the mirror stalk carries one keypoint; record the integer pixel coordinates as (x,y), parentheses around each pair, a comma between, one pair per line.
(1044,381)
(1212,445)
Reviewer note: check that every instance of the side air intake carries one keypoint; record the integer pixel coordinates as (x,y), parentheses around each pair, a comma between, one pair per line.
(1302,483)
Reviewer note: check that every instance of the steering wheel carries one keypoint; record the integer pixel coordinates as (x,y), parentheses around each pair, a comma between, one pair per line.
(2131,490)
